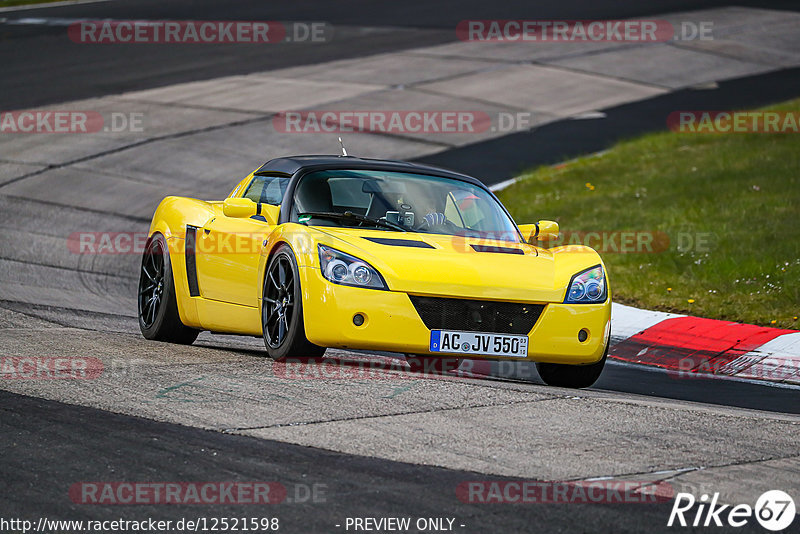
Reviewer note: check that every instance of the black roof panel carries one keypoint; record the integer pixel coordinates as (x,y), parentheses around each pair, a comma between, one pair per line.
(291,164)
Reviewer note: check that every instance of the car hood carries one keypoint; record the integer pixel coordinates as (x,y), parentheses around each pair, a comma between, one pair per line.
(430,264)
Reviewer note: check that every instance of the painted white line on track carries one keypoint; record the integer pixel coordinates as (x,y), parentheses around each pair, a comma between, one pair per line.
(588,115)
(502,185)
(50,4)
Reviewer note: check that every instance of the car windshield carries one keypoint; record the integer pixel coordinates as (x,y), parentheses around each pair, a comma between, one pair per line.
(400,201)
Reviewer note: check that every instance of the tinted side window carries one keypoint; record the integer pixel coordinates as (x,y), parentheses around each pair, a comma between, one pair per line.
(267,189)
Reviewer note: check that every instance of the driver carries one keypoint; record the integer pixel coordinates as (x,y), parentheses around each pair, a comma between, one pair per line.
(433,219)
(433,216)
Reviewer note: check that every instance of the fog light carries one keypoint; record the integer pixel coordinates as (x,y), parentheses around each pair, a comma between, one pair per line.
(358,319)
(583,335)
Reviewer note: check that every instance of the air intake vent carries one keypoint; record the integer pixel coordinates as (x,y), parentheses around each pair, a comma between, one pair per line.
(398,242)
(477,315)
(497,250)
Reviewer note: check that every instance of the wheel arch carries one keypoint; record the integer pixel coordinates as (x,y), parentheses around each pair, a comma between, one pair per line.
(167,323)
(302,245)
(174,213)
(171,218)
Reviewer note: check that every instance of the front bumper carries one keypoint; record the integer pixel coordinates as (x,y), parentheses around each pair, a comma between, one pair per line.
(393,324)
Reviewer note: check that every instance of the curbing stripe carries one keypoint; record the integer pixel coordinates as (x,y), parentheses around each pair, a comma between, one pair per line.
(694,343)
(777,360)
(688,346)
(627,321)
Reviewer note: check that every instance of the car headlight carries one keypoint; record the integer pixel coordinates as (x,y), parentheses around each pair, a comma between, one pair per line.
(341,268)
(587,287)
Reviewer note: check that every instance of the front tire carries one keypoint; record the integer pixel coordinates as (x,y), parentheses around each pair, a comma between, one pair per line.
(571,376)
(282,310)
(158,307)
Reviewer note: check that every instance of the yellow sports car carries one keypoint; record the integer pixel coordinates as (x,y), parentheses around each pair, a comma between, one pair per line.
(336,251)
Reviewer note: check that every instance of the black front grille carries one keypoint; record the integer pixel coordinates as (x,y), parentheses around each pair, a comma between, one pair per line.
(477,315)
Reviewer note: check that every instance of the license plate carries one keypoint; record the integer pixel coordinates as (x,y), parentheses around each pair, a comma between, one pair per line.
(458,342)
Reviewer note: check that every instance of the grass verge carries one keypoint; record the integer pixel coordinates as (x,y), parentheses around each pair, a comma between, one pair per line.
(729,205)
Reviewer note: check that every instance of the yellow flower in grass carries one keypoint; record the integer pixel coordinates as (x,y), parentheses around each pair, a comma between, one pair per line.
(690,301)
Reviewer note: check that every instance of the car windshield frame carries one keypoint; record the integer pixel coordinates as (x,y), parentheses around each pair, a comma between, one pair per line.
(502,226)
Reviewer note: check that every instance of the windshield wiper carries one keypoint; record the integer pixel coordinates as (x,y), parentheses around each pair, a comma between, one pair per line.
(349,215)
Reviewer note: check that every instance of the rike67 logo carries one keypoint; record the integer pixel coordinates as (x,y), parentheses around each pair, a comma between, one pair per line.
(774,510)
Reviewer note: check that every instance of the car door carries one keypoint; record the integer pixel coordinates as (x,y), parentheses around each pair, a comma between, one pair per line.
(228,249)
(227,254)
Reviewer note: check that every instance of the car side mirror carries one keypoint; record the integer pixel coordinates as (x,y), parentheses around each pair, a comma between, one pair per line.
(541,231)
(239,207)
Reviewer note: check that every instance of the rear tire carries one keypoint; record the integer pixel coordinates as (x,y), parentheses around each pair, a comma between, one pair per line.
(159,319)
(571,376)
(282,310)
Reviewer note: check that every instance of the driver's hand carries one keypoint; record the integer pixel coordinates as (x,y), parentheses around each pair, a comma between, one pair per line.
(434,219)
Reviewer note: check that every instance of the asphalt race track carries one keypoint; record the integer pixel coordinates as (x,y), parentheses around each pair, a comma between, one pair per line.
(219,410)
(351,486)
(361,27)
